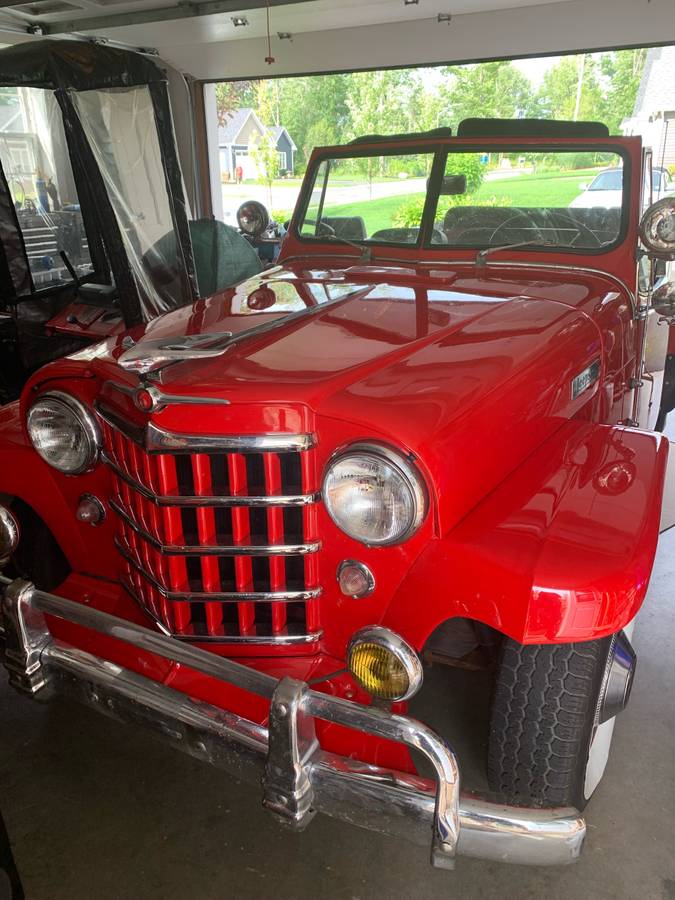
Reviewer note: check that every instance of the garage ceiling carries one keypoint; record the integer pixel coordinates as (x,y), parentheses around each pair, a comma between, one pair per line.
(200,37)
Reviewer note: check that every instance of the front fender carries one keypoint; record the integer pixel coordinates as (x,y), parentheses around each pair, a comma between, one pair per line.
(54,497)
(561,551)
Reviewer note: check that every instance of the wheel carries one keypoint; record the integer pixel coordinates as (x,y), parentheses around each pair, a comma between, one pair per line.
(549,729)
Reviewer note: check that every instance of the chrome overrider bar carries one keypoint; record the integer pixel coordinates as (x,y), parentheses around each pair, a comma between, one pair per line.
(298,777)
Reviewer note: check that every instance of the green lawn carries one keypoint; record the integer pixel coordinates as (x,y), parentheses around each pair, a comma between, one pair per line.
(546,189)
(543,189)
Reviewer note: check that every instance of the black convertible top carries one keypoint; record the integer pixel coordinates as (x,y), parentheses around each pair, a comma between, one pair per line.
(79,65)
(552,128)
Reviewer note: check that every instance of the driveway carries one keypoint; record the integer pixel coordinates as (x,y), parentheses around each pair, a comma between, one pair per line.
(284,197)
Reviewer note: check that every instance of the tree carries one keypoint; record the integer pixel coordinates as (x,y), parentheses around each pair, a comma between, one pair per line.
(231,95)
(264,152)
(622,70)
(559,90)
(493,89)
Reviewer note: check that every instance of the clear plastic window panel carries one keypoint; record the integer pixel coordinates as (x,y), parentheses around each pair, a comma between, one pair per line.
(37,166)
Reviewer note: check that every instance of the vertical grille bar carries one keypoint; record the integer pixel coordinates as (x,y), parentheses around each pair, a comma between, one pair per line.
(275,527)
(241,532)
(173,533)
(206,526)
(311,527)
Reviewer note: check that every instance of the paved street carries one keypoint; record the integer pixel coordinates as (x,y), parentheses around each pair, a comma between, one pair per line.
(284,196)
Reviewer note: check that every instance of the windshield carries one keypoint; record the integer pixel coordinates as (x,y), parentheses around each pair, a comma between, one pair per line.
(478,199)
(36,163)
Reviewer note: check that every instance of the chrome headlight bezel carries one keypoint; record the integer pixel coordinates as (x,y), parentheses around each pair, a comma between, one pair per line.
(85,420)
(652,224)
(399,648)
(407,471)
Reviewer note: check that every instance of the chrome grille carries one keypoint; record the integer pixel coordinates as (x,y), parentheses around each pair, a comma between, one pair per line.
(218,545)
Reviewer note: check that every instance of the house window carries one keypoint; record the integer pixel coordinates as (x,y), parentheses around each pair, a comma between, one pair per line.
(282,160)
(21,155)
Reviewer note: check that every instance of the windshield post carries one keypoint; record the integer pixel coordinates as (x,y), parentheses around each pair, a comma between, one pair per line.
(433,196)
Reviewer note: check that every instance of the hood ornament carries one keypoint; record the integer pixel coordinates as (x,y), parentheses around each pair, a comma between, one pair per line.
(151,356)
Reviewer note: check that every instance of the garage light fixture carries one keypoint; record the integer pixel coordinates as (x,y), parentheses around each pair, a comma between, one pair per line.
(284,35)
(239,21)
(444,17)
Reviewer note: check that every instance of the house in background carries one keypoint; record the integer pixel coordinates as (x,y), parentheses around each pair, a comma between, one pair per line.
(654,112)
(241,129)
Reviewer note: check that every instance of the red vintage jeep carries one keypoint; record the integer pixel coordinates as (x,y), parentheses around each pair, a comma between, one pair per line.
(424,434)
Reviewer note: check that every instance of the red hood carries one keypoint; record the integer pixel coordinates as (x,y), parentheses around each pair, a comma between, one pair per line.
(432,361)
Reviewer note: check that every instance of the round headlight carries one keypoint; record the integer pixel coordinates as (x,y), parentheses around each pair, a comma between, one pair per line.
(657,228)
(64,433)
(384,664)
(374,495)
(253,218)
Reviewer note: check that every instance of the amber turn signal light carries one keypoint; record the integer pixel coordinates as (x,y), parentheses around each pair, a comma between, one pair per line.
(383,664)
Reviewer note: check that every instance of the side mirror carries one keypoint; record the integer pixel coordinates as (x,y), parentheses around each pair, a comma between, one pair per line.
(657,229)
(253,218)
(584,186)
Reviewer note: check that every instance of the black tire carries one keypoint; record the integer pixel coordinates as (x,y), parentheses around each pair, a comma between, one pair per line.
(542,720)
(661,420)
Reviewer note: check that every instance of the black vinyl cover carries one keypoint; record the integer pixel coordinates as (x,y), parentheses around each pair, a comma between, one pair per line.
(75,65)
(481,128)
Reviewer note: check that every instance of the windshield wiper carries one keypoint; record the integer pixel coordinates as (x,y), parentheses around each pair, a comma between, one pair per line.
(364,249)
(482,255)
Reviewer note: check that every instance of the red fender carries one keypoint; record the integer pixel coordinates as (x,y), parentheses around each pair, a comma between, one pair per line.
(54,497)
(562,550)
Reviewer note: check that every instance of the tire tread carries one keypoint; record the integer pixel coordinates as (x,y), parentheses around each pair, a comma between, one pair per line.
(542,715)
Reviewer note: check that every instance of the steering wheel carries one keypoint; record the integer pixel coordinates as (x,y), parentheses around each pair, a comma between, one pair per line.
(323,229)
(579,226)
(518,214)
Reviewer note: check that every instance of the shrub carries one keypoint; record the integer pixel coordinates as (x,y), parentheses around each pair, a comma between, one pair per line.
(409,214)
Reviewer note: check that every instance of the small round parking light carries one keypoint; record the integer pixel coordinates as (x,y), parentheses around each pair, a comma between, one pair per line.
(355,579)
(383,664)
(90,510)
(9,534)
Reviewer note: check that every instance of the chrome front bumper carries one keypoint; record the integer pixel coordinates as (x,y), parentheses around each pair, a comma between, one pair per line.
(298,777)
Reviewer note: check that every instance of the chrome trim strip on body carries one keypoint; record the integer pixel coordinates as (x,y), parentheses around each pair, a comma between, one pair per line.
(214,550)
(156,440)
(399,804)
(160,441)
(209,501)
(217,596)
(162,399)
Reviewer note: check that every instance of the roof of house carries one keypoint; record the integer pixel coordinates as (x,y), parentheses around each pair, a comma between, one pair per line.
(657,87)
(277,130)
(235,121)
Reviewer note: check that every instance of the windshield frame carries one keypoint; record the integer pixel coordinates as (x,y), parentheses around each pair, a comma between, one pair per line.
(441,152)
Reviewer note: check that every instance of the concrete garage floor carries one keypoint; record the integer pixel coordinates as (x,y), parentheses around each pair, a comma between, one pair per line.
(96,810)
